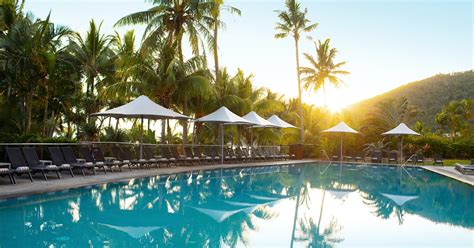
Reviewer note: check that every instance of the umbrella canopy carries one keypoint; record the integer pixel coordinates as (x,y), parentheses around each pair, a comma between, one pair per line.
(142,107)
(279,122)
(400,200)
(341,127)
(224,115)
(260,122)
(401,129)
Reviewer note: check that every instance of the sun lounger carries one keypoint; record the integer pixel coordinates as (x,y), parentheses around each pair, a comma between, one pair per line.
(465,169)
(420,159)
(89,158)
(393,157)
(44,166)
(109,161)
(377,157)
(75,162)
(167,157)
(5,171)
(126,156)
(438,159)
(190,157)
(18,163)
(58,159)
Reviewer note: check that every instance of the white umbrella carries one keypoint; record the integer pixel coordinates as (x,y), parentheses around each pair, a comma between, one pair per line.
(224,116)
(341,128)
(261,123)
(141,107)
(279,122)
(400,200)
(401,130)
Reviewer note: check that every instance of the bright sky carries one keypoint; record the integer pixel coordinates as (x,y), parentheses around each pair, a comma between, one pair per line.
(386,43)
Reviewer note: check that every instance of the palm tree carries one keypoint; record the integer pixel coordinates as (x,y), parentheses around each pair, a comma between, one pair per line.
(170,20)
(216,25)
(323,69)
(95,54)
(294,21)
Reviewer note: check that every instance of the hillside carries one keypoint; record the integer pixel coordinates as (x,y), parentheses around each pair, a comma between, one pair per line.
(430,94)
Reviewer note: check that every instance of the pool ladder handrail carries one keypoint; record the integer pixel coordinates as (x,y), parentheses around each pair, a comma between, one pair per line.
(404,163)
(330,162)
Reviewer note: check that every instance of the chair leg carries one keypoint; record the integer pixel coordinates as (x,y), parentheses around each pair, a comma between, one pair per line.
(120,168)
(105,169)
(70,171)
(130,167)
(59,174)
(44,176)
(93,170)
(29,174)
(10,177)
(83,173)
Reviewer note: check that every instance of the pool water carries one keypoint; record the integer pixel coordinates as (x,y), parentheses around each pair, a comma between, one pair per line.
(312,205)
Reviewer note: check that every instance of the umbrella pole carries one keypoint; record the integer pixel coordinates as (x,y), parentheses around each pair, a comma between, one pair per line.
(222,143)
(141,138)
(401,149)
(341,151)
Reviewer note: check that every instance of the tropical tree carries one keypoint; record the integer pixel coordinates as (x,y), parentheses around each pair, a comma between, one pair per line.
(294,22)
(216,25)
(10,10)
(456,117)
(171,20)
(323,68)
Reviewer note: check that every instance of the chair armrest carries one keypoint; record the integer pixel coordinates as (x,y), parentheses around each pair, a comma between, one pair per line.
(110,158)
(46,162)
(80,160)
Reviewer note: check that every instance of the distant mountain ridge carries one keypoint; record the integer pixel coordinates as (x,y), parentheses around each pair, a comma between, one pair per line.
(429,95)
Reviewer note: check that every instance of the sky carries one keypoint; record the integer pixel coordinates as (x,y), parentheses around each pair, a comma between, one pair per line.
(385,43)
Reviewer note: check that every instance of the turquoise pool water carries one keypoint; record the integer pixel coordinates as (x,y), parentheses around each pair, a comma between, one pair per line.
(279,206)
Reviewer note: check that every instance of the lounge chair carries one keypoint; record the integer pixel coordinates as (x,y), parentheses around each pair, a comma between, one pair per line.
(211,155)
(6,172)
(438,159)
(57,159)
(18,163)
(166,156)
(44,166)
(75,162)
(125,156)
(358,158)
(393,157)
(89,158)
(465,169)
(109,161)
(149,156)
(376,157)
(420,159)
(60,160)
(190,157)
(177,156)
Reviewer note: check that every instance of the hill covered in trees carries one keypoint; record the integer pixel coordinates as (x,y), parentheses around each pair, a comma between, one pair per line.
(429,95)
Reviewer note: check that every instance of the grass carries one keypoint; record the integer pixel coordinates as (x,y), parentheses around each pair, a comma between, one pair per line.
(452,162)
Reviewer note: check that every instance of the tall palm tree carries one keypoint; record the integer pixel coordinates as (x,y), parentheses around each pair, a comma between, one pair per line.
(323,68)
(170,20)
(216,25)
(294,21)
(95,54)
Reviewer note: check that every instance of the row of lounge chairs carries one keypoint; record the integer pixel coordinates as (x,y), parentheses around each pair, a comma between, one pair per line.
(393,157)
(25,160)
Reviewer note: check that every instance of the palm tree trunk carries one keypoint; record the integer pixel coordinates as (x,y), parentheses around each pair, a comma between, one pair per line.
(163,131)
(45,115)
(300,104)
(29,107)
(216,55)
(185,122)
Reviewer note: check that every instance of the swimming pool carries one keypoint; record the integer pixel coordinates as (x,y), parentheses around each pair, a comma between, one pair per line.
(337,206)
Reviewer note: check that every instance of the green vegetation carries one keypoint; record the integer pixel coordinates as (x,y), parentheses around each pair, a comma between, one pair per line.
(52,78)
(429,95)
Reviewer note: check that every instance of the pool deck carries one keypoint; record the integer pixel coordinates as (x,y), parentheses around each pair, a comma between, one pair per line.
(450,172)
(24,187)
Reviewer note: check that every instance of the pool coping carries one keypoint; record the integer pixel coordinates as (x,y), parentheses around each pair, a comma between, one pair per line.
(79,181)
(39,186)
(449,171)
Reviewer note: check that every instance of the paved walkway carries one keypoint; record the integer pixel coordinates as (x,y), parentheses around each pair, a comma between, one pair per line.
(24,187)
(450,172)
